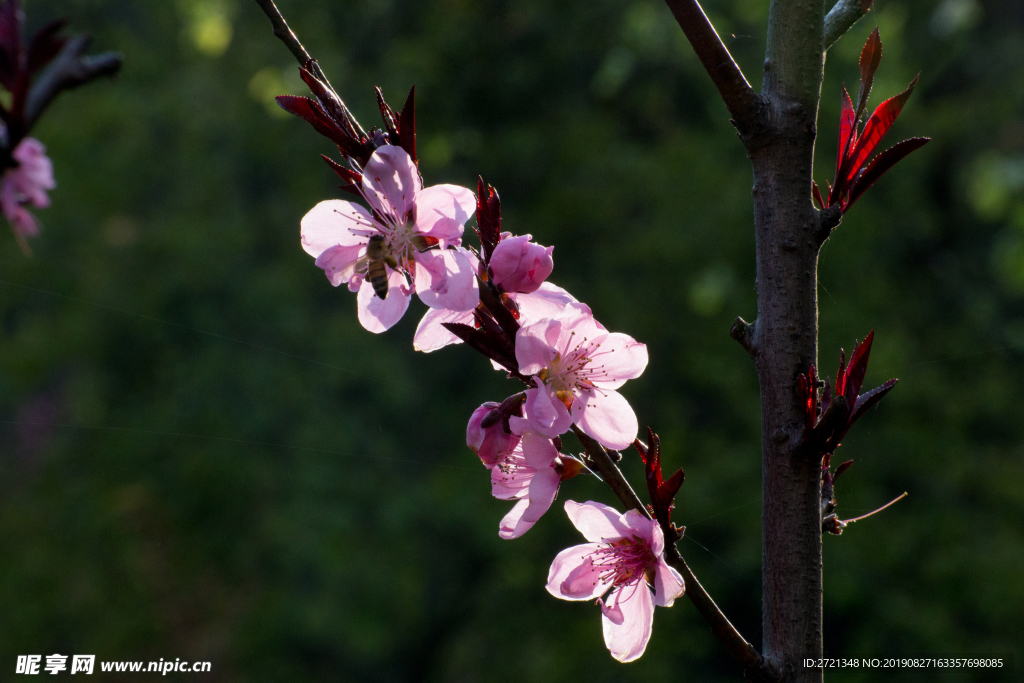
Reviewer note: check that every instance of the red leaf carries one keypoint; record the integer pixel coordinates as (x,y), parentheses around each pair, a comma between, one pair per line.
(841,375)
(874,131)
(816,195)
(847,133)
(388,114)
(857,369)
(488,218)
(407,124)
(842,468)
(870,58)
(866,401)
(310,111)
(880,164)
(352,179)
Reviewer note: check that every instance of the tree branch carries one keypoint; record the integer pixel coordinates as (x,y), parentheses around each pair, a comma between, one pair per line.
(755,666)
(841,18)
(610,472)
(743,103)
(69,70)
(288,37)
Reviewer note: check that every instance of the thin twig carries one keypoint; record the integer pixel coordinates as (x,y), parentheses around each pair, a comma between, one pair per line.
(743,103)
(288,37)
(743,652)
(70,69)
(841,18)
(754,665)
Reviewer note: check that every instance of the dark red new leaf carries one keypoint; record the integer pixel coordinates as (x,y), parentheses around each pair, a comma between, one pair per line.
(388,115)
(839,470)
(352,179)
(870,57)
(816,195)
(857,369)
(488,218)
(866,401)
(874,130)
(11,20)
(882,163)
(407,124)
(310,111)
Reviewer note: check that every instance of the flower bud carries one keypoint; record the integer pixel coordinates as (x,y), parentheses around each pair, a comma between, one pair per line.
(486,436)
(519,265)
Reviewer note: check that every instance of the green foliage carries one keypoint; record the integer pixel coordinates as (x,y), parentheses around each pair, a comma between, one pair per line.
(204,456)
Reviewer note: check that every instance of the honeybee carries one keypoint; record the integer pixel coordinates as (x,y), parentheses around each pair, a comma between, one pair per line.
(378,254)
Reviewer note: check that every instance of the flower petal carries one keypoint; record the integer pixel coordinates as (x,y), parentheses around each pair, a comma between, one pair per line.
(339,262)
(442,211)
(547,302)
(451,283)
(621,357)
(597,522)
(574,561)
(628,628)
(330,224)
(377,315)
(546,414)
(535,344)
(391,181)
(430,336)
(521,519)
(668,584)
(606,416)
(539,452)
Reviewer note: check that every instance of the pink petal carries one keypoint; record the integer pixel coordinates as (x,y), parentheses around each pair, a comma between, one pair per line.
(646,529)
(547,302)
(578,318)
(328,225)
(535,344)
(668,584)
(391,181)
(521,519)
(378,315)
(597,522)
(567,562)
(546,414)
(606,416)
(539,452)
(587,581)
(621,357)
(430,336)
(442,211)
(632,606)
(450,281)
(339,262)
(510,524)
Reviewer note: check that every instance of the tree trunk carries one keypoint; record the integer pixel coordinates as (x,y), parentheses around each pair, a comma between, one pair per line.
(785,336)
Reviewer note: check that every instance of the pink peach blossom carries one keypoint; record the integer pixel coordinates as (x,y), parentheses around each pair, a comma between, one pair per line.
(413,221)
(528,474)
(490,443)
(625,554)
(26,184)
(577,366)
(519,265)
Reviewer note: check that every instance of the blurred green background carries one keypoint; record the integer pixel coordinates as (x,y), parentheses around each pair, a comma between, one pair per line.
(204,456)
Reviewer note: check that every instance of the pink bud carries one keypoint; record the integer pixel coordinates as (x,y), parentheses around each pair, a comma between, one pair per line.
(486,436)
(519,265)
